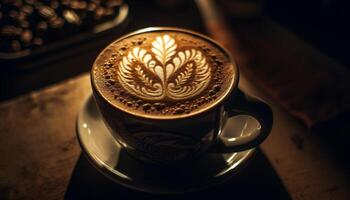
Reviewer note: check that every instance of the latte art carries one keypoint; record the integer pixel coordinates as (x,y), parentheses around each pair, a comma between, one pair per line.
(176,75)
(163,74)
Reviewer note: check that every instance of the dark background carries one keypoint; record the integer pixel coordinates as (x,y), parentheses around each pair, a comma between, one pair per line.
(321,23)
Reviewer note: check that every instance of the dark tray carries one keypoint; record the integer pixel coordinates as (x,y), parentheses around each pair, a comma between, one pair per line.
(27,59)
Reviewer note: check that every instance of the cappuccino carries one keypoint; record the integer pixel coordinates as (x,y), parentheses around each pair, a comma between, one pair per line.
(165,74)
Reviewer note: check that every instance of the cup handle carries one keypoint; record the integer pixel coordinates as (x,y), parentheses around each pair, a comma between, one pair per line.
(242,104)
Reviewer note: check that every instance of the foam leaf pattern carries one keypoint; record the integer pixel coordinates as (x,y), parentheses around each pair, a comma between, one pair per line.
(128,75)
(177,76)
(194,62)
(164,48)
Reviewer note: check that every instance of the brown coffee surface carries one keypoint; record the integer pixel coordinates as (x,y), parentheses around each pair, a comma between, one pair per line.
(163,73)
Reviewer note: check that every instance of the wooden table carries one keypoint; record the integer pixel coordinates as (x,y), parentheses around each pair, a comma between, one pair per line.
(39,150)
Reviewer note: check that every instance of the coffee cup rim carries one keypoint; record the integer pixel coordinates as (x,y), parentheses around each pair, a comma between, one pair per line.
(232,86)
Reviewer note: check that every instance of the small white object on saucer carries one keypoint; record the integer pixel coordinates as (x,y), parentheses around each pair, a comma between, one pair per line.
(107,156)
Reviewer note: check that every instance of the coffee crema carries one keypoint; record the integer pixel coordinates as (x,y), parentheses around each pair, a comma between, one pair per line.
(163,73)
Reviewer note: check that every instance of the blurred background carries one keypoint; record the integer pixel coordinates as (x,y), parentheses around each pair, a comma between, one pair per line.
(36,35)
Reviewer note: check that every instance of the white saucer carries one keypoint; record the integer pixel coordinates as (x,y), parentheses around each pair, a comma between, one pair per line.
(111,160)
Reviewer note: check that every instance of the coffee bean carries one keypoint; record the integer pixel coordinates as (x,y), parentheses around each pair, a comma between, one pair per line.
(100,12)
(27,9)
(65,2)
(41,27)
(26,36)
(113,3)
(24,24)
(8,31)
(97,2)
(18,31)
(31,2)
(71,17)
(56,23)
(109,12)
(54,4)
(78,5)
(13,14)
(17,3)
(37,42)
(92,7)
(21,16)
(15,45)
(47,12)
